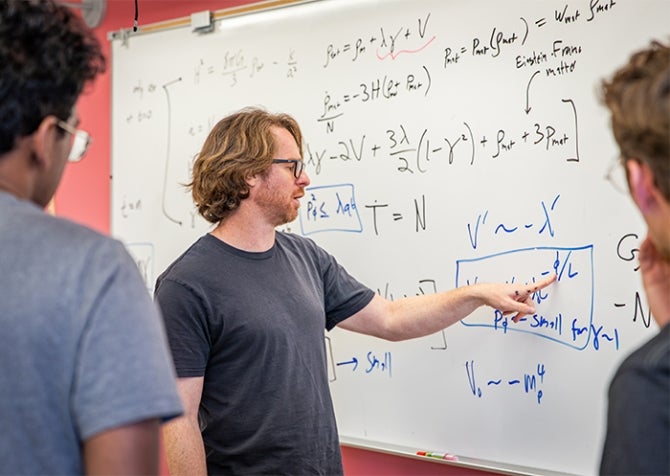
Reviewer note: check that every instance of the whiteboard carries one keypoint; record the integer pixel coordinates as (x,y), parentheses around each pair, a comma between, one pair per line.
(447,143)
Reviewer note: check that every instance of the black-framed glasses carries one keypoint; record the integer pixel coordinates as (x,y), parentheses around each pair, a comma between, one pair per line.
(616,176)
(80,141)
(298,165)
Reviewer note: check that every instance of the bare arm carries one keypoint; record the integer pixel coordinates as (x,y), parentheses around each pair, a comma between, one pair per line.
(419,316)
(129,449)
(183,441)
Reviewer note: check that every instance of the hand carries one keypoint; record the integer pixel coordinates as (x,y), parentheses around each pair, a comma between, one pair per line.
(514,298)
(655,271)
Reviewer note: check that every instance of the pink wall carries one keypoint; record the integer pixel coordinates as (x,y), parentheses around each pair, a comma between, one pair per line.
(84,194)
(359,462)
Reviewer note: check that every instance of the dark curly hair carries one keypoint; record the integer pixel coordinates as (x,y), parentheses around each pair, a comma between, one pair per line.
(47,55)
(638,97)
(239,146)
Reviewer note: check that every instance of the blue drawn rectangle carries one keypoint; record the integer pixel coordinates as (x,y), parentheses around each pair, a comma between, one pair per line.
(143,255)
(564,310)
(330,208)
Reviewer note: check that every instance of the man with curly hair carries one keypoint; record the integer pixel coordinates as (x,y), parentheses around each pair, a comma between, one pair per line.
(638,419)
(246,307)
(85,372)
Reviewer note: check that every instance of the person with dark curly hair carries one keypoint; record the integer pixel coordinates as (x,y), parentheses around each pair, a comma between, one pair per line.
(246,307)
(85,371)
(637,440)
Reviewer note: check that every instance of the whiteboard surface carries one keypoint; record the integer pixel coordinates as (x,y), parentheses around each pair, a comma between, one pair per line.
(447,143)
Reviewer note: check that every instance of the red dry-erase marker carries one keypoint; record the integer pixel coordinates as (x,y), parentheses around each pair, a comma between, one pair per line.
(433,454)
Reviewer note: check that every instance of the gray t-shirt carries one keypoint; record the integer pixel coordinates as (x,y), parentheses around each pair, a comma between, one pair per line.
(253,325)
(82,346)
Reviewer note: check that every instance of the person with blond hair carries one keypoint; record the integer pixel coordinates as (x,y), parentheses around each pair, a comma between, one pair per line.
(246,307)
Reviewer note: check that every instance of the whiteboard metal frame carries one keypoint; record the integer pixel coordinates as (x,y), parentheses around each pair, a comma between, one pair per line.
(265,5)
(365,444)
(462,462)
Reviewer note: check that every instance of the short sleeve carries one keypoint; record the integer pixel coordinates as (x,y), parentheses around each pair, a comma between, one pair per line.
(344,295)
(123,369)
(185,318)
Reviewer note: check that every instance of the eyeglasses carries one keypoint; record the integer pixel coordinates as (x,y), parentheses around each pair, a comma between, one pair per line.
(80,141)
(616,175)
(298,165)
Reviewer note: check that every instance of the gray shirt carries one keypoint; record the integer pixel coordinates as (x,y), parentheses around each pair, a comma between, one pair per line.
(82,346)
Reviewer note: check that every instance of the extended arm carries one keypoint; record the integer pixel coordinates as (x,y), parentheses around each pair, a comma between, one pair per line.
(183,441)
(419,316)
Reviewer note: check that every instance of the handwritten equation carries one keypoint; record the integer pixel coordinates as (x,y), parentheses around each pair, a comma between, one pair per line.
(573,323)
(530,383)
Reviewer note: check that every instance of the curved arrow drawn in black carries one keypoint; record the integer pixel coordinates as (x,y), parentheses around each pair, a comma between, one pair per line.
(528,108)
(167,155)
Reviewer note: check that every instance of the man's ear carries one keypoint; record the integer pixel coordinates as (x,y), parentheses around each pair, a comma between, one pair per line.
(43,140)
(252,181)
(642,186)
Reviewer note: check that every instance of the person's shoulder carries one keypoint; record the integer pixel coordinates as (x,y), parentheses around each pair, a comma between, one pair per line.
(88,251)
(293,239)
(76,256)
(657,350)
(43,231)
(78,234)
(192,260)
(653,353)
(302,245)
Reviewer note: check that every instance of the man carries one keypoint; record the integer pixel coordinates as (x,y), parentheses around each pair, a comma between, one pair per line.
(246,308)
(638,419)
(85,372)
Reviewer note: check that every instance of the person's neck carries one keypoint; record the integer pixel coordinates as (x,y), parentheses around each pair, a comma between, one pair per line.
(9,188)
(245,234)
(16,177)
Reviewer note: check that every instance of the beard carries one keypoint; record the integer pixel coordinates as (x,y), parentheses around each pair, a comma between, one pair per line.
(279,208)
